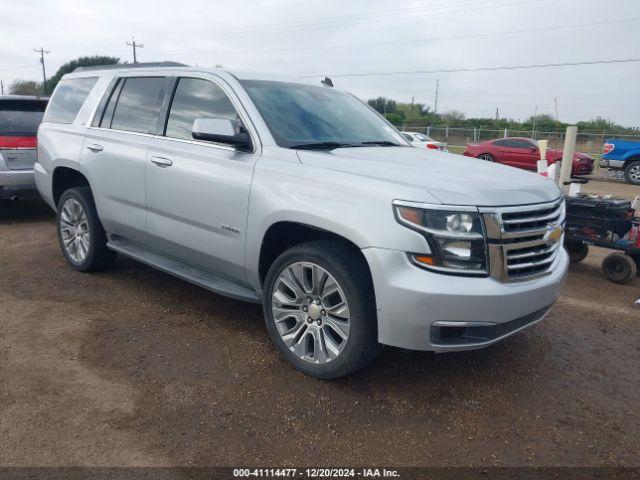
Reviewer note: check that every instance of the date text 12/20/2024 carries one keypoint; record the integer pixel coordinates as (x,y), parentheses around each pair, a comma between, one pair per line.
(315,473)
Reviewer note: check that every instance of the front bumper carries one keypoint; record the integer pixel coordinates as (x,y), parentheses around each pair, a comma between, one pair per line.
(423,310)
(613,164)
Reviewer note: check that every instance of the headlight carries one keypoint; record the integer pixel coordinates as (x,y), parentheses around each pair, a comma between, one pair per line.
(456,239)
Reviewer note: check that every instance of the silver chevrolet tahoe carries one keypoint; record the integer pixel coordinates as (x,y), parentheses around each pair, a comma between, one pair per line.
(300,197)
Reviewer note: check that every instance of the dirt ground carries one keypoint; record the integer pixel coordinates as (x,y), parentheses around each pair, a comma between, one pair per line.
(133,367)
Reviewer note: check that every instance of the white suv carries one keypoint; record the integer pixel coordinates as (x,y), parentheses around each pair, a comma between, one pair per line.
(300,197)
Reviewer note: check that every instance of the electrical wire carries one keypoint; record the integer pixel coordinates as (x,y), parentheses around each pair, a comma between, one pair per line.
(436,39)
(476,69)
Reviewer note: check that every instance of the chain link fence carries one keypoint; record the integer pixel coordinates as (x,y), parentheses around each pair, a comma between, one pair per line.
(586,142)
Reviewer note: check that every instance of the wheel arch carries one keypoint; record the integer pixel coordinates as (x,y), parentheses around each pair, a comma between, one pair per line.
(64,178)
(283,235)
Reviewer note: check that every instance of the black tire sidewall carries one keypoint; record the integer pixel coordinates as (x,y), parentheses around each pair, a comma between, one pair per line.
(627,172)
(630,269)
(362,334)
(83,196)
(577,251)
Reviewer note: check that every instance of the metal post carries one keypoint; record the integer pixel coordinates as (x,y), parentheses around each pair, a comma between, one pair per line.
(506,132)
(446,132)
(428,130)
(567,157)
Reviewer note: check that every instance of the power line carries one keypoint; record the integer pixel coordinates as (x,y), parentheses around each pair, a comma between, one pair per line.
(134,45)
(478,69)
(42,51)
(322,22)
(342,21)
(435,39)
(19,68)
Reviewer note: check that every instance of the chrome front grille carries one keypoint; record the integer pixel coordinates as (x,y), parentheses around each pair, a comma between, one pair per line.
(524,241)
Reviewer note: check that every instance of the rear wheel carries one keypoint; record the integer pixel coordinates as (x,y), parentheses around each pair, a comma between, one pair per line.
(632,172)
(80,233)
(619,268)
(320,310)
(487,157)
(578,251)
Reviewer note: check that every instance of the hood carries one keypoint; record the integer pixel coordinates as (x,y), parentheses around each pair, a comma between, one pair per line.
(554,153)
(452,179)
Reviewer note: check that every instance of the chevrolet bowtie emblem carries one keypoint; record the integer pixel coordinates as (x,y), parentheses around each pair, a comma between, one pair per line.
(554,233)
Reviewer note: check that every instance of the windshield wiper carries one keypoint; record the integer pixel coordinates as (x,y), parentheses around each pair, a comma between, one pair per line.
(322,146)
(382,143)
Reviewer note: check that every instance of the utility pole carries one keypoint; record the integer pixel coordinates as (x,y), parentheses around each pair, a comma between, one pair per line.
(435,104)
(42,51)
(497,114)
(134,45)
(555,102)
(411,114)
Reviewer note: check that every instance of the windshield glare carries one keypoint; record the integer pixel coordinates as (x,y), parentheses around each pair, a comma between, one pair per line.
(299,114)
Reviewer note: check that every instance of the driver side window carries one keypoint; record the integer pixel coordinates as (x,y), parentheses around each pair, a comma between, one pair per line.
(196,98)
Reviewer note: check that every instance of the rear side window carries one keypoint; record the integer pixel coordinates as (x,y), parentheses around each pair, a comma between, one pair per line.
(138,105)
(68,99)
(196,98)
(21,117)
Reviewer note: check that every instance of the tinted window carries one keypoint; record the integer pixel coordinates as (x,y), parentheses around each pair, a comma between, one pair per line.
(299,114)
(501,143)
(21,117)
(520,144)
(68,98)
(138,105)
(107,115)
(195,98)
(408,137)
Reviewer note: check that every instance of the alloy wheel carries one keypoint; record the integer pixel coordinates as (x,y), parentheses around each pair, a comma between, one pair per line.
(74,229)
(311,312)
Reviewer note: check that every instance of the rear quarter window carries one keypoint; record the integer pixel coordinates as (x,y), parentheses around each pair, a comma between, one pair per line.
(68,98)
(21,117)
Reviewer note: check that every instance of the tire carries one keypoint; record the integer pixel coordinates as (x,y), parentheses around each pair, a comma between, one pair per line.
(90,252)
(619,268)
(486,157)
(636,259)
(632,172)
(578,251)
(344,268)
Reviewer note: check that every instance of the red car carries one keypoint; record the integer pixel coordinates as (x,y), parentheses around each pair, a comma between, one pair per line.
(523,153)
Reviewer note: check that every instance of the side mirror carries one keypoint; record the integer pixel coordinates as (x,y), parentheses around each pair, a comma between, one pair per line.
(221,130)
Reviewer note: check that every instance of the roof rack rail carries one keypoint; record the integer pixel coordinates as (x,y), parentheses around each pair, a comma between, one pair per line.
(130,65)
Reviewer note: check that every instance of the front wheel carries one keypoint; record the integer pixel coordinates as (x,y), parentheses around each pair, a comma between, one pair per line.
(319,308)
(632,172)
(486,157)
(578,251)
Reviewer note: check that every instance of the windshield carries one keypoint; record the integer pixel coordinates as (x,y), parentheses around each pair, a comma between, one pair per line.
(299,115)
(424,138)
(19,117)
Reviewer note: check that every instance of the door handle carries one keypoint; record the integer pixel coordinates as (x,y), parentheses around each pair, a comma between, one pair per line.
(162,162)
(94,147)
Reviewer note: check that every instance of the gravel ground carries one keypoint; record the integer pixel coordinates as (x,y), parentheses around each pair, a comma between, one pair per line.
(133,367)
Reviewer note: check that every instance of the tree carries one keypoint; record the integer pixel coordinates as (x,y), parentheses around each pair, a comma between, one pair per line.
(24,87)
(452,116)
(383,105)
(79,62)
